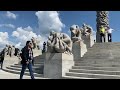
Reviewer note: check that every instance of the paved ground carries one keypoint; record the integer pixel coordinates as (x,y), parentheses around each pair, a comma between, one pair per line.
(6,75)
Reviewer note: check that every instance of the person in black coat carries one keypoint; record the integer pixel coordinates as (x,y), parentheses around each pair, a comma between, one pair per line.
(2,55)
(27,59)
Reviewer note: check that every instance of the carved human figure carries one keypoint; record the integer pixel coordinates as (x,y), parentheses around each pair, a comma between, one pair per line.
(37,43)
(50,42)
(75,33)
(59,43)
(13,50)
(86,30)
(10,50)
(6,50)
(33,42)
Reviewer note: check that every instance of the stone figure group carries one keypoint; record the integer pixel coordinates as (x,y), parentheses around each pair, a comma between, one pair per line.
(77,32)
(59,43)
(86,30)
(10,50)
(35,42)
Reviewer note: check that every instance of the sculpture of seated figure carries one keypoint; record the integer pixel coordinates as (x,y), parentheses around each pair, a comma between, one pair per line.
(59,43)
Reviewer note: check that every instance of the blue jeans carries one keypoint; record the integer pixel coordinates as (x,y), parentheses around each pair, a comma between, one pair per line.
(29,66)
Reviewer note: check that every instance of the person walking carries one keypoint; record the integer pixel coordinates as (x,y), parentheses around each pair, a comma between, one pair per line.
(27,59)
(2,55)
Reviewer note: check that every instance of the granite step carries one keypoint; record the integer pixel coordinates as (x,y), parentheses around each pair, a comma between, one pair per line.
(89,75)
(72,77)
(36,70)
(36,65)
(97,65)
(95,71)
(26,73)
(97,68)
(19,66)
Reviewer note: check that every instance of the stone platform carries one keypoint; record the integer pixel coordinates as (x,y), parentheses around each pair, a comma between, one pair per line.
(57,64)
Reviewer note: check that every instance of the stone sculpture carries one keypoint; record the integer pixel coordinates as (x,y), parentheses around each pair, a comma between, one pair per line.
(59,43)
(75,33)
(33,42)
(102,20)
(86,30)
(37,43)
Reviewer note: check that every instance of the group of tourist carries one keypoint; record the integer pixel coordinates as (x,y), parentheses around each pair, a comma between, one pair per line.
(105,30)
(25,55)
(8,51)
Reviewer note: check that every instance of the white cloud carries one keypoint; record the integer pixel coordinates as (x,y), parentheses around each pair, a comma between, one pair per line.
(3,36)
(18,45)
(11,15)
(24,34)
(3,39)
(15,34)
(7,25)
(49,20)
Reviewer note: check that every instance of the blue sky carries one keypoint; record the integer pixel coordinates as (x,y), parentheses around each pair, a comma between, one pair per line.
(38,23)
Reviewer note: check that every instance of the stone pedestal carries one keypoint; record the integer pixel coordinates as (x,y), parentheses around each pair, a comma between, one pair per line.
(79,49)
(57,64)
(88,40)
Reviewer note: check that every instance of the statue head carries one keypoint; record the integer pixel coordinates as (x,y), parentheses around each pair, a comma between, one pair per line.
(84,25)
(74,29)
(6,45)
(52,33)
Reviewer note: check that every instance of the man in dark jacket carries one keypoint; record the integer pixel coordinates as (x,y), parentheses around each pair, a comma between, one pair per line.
(2,55)
(27,59)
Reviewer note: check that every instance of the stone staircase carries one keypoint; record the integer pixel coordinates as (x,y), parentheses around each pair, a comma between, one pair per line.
(102,61)
(37,68)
